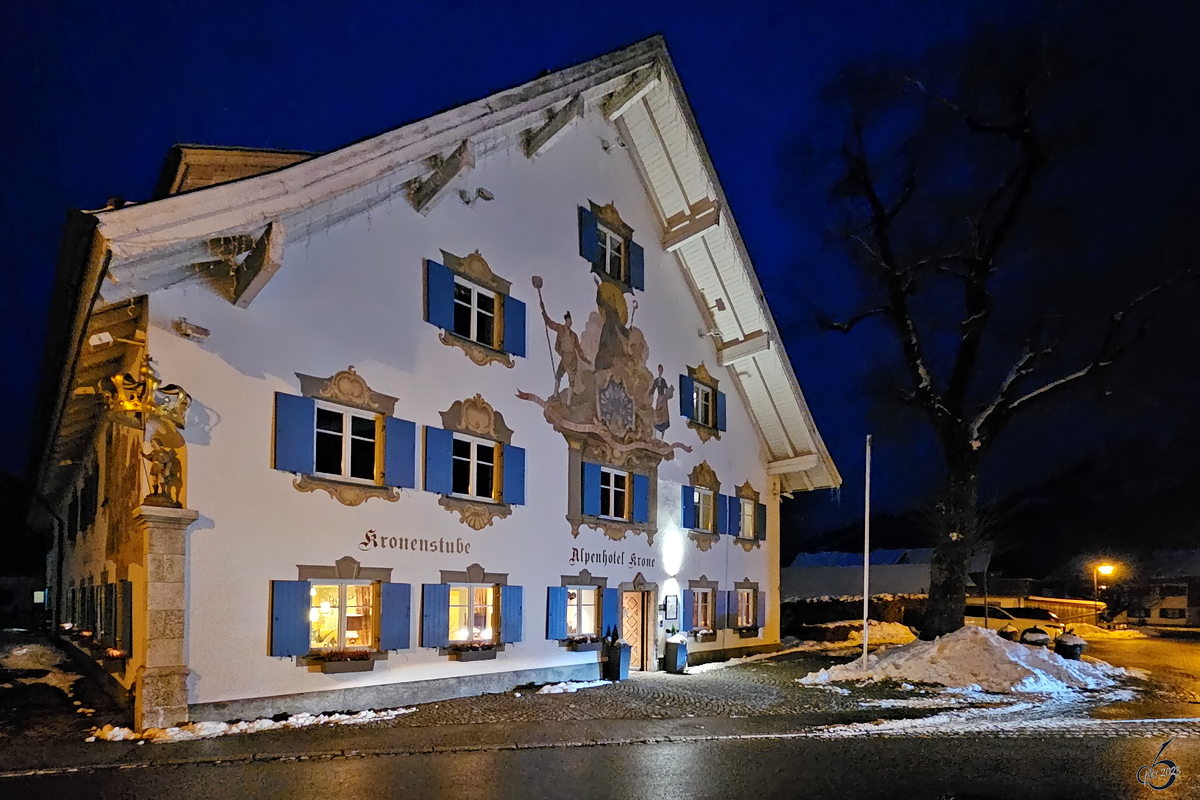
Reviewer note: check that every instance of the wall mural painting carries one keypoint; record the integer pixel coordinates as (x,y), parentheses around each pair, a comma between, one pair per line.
(606,401)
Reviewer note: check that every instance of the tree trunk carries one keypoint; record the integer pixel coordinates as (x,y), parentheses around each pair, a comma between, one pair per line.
(957,540)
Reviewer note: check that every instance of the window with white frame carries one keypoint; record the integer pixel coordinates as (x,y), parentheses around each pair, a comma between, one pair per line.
(747,608)
(749,519)
(342,615)
(346,445)
(581,611)
(705,509)
(702,609)
(614,493)
(474,312)
(705,405)
(612,254)
(474,467)
(473,613)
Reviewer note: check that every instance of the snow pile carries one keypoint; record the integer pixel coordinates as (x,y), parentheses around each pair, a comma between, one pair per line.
(209,730)
(570,686)
(1089,632)
(881,633)
(973,656)
(39,657)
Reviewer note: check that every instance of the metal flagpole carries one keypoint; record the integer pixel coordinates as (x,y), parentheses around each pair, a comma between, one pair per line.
(866,553)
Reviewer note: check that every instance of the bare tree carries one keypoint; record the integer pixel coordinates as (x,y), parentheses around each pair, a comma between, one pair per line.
(939,212)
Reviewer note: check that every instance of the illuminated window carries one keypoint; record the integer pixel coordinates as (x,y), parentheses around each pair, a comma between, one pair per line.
(474,313)
(749,520)
(705,405)
(612,254)
(474,467)
(346,443)
(473,613)
(702,609)
(581,611)
(614,493)
(705,511)
(747,608)
(342,616)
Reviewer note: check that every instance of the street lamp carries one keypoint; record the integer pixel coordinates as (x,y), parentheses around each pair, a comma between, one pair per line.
(1100,569)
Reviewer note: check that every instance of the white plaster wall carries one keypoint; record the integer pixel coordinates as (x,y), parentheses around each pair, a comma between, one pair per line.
(353,295)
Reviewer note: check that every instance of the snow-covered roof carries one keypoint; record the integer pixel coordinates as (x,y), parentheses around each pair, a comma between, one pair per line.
(141,248)
(880,558)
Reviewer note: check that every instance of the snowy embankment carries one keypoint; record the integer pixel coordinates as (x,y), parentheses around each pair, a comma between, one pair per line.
(974,656)
(568,687)
(209,730)
(1090,632)
(877,633)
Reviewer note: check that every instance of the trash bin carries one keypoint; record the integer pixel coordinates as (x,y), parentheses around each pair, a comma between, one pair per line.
(1008,632)
(1035,636)
(616,663)
(1070,646)
(675,654)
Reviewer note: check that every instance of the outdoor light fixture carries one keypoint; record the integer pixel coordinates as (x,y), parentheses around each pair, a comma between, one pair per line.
(1097,571)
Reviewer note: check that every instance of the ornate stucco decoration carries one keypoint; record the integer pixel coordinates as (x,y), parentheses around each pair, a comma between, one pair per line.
(701,374)
(347,388)
(748,492)
(135,398)
(475,268)
(705,476)
(476,417)
(611,218)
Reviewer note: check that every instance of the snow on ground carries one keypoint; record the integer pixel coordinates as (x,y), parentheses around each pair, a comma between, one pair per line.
(1089,632)
(209,730)
(881,633)
(973,656)
(733,662)
(570,686)
(40,657)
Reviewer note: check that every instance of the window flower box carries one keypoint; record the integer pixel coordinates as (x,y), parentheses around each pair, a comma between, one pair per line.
(339,661)
(748,632)
(114,659)
(585,644)
(484,652)
(704,635)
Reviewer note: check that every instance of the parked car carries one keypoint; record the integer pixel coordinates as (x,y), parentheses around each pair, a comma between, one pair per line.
(996,618)
(1040,617)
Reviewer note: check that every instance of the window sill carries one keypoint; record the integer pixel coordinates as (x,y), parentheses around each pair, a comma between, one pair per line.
(337,667)
(348,493)
(471,655)
(705,432)
(584,647)
(704,539)
(748,633)
(625,286)
(480,354)
(475,514)
(704,638)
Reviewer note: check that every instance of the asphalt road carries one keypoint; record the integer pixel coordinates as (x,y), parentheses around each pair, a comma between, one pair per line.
(913,769)
(1173,663)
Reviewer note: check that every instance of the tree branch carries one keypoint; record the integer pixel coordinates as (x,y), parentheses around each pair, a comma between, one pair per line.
(826,324)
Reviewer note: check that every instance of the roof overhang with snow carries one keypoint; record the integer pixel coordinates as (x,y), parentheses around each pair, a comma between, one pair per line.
(240,229)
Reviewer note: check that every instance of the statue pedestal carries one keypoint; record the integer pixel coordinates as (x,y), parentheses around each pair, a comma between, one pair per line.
(161,687)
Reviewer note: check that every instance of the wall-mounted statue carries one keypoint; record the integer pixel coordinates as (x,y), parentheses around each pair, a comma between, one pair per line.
(165,474)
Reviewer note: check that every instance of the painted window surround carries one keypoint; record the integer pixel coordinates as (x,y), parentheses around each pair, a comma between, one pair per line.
(608,603)
(631,273)
(509,320)
(694,387)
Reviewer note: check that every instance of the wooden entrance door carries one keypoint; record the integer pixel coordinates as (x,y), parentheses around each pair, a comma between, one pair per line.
(633,626)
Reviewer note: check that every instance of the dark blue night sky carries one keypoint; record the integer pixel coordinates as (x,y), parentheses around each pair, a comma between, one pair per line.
(95,94)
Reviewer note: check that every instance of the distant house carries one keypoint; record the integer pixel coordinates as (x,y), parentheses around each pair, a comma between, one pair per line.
(836,574)
(1167,591)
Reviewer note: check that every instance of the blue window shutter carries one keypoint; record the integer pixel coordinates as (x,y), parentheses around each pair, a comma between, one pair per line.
(511,613)
(637,266)
(760,522)
(295,433)
(641,498)
(735,516)
(722,523)
(761,621)
(439,295)
(610,612)
(126,640)
(688,499)
(720,411)
(512,465)
(556,612)
(439,444)
(435,615)
(399,453)
(687,397)
(514,326)
(589,247)
(290,602)
(395,616)
(721,614)
(689,600)
(591,489)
